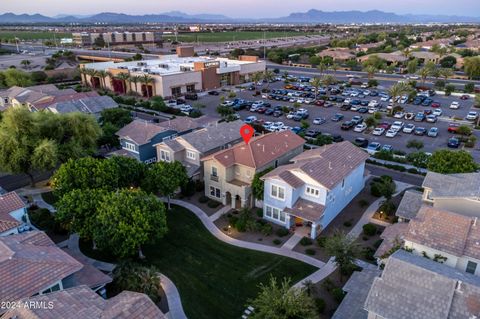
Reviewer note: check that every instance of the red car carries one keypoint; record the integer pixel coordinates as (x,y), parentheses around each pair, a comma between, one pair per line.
(427,112)
(384,125)
(320,102)
(452,128)
(435,104)
(261,110)
(464,97)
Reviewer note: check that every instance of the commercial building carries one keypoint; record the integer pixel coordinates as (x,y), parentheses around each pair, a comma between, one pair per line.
(172,75)
(117,38)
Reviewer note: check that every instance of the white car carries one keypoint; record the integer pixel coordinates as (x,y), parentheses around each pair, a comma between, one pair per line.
(319,121)
(472,116)
(264,96)
(226,103)
(355,107)
(373,103)
(347,101)
(186,109)
(366,92)
(354,94)
(378,131)
(404,99)
(257,103)
(385,98)
(308,101)
(372,110)
(409,128)
(399,115)
(455,105)
(290,115)
(391,132)
(397,125)
(437,112)
(268,125)
(250,119)
(276,126)
(301,100)
(359,128)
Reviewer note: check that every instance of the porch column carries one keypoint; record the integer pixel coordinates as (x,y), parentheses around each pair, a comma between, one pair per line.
(313,231)
(287,221)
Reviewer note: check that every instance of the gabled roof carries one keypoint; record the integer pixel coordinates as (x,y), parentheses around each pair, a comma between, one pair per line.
(88,105)
(184,124)
(465,185)
(29,263)
(445,231)
(141,132)
(416,287)
(260,151)
(307,210)
(81,303)
(410,204)
(327,165)
(393,236)
(9,203)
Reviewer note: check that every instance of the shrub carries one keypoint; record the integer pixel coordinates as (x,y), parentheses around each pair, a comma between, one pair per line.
(469,87)
(203,199)
(387,207)
(259,212)
(231,95)
(449,88)
(252,225)
(241,225)
(267,229)
(310,251)
(328,285)
(282,232)
(321,241)
(232,220)
(277,241)
(368,253)
(415,144)
(305,241)
(320,304)
(338,294)
(188,189)
(42,219)
(369,229)
(213,203)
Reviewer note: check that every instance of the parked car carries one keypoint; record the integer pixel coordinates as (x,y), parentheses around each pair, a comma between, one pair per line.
(391,133)
(431,118)
(361,142)
(420,117)
(250,119)
(453,142)
(420,131)
(312,133)
(319,120)
(347,125)
(387,148)
(378,131)
(433,132)
(464,97)
(186,109)
(453,127)
(455,105)
(472,116)
(277,113)
(337,117)
(399,115)
(397,125)
(191,96)
(408,128)
(213,93)
(373,147)
(359,128)
(437,112)
(435,104)
(409,116)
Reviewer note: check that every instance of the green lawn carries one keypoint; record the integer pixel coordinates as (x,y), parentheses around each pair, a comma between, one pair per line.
(231,36)
(214,279)
(31,35)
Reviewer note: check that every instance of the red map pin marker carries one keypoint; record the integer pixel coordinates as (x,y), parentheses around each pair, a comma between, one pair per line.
(246,132)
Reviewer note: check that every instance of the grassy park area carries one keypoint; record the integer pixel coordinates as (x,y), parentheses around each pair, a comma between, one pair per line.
(230,36)
(32,35)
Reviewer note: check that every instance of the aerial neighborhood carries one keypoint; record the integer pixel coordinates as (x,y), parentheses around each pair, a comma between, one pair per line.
(239,161)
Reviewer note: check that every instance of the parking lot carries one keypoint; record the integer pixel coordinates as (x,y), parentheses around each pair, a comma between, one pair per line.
(399,142)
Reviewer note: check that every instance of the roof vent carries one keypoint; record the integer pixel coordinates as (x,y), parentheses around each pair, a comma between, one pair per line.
(458,288)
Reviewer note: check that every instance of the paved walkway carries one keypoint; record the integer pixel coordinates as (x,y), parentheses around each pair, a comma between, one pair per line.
(38,200)
(292,241)
(26,191)
(220,212)
(319,275)
(175,309)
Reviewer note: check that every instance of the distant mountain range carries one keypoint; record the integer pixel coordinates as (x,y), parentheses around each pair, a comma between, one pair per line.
(311,16)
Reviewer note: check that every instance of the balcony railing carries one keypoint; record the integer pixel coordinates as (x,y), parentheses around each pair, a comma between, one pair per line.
(214,178)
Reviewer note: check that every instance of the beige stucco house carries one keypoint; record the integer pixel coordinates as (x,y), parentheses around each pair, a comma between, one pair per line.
(229,173)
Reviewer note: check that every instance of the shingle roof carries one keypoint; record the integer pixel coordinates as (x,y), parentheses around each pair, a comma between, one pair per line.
(327,165)
(213,136)
(410,204)
(306,209)
(392,236)
(89,105)
(448,232)
(30,262)
(9,203)
(453,185)
(81,303)
(357,288)
(260,151)
(141,132)
(416,287)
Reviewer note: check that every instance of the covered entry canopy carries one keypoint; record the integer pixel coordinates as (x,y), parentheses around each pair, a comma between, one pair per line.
(306,210)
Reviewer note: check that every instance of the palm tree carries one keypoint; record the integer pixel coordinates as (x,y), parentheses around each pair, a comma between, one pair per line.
(424,73)
(371,70)
(397,90)
(268,76)
(25,63)
(322,67)
(329,79)
(135,79)
(334,67)
(316,83)
(91,73)
(124,77)
(285,75)
(147,80)
(257,77)
(103,75)
(406,52)
(446,73)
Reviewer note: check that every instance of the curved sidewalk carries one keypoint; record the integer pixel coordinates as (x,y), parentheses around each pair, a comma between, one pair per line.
(175,308)
(213,229)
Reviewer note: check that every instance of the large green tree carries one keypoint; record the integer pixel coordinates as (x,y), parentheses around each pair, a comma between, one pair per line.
(345,250)
(14,77)
(127,220)
(471,66)
(165,178)
(452,162)
(280,301)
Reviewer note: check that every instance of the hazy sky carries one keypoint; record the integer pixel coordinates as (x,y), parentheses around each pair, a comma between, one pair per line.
(239,8)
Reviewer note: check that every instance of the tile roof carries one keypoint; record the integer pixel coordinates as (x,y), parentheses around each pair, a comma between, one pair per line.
(392,236)
(357,288)
(65,97)
(141,132)
(453,185)
(410,204)
(445,231)
(29,263)
(306,209)
(260,151)
(183,123)
(81,303)
(416,287)
(328,165)
(89,105)
(9,203)
(88,275)
(174,145)
(214,136)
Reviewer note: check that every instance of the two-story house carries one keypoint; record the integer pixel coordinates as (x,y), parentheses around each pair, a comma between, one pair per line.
(229,173)
(138,138)
(13,214)
(190,148)
(315,188)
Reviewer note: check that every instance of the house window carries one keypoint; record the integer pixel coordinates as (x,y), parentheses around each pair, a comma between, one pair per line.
(274,213)
(176,91)
(191,88)
(130,146)
(471,267)
(215,192)
(191,155)
(312,191)
(214,171)
(278,192)
(165,156)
